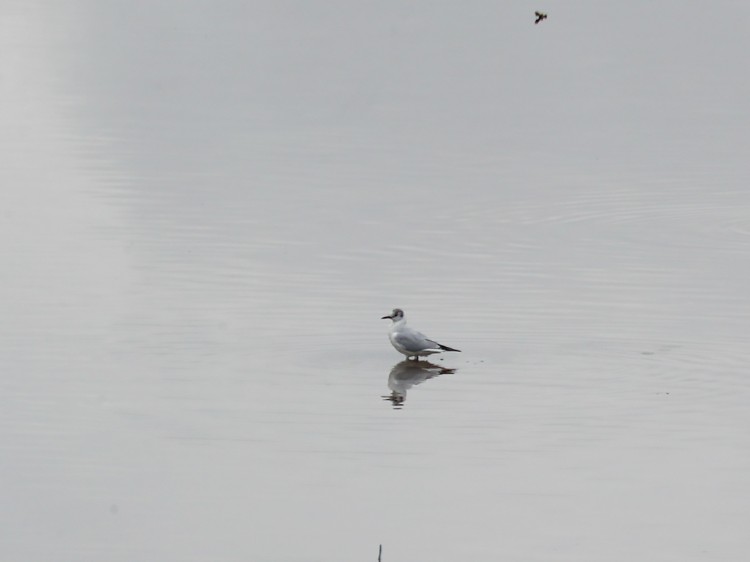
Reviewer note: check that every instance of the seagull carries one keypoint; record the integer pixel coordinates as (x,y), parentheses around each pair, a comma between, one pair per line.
(539,17)
(410,342)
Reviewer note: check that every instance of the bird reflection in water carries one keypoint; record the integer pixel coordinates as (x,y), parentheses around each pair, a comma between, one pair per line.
(406,374)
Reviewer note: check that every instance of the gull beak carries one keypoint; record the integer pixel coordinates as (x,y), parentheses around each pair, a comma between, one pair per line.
(389,317)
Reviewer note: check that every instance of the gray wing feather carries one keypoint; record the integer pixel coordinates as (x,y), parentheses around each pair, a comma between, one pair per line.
(414,341)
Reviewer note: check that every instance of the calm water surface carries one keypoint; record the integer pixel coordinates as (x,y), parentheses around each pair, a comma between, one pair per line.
(207,209)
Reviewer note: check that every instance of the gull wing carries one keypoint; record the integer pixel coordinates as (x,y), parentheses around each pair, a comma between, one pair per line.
(414,341)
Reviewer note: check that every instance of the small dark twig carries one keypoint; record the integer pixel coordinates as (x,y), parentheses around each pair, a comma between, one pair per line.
(380,552)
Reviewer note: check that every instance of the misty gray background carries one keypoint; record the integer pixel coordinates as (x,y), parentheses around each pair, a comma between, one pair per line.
(206,207)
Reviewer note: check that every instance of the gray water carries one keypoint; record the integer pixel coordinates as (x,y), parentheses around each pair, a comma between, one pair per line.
(207,207)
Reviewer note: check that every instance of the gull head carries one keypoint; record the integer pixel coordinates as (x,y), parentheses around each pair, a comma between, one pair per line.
(396,315)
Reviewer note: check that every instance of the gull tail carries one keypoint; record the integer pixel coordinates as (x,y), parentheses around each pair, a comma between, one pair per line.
(446,348)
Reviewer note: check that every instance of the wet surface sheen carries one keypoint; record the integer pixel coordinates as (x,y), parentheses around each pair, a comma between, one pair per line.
(206,211)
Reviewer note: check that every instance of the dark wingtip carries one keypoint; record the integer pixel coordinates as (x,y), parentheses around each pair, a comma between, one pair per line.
(446,348)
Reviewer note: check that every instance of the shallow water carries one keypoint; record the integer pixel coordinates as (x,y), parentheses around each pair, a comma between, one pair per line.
(206,211)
